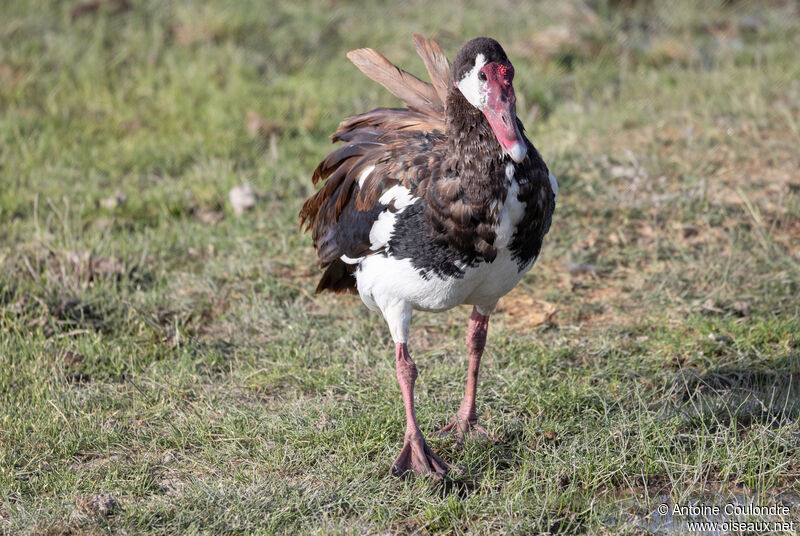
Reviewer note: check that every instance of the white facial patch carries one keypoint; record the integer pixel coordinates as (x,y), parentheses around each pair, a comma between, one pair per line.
(473,88)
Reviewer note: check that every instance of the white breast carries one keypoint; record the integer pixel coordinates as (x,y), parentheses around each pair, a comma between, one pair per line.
(383,280)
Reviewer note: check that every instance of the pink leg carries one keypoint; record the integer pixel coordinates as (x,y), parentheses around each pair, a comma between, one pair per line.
(415,456)
(466,419)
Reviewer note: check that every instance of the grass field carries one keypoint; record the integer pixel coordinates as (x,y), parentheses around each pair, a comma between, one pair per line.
(165,367)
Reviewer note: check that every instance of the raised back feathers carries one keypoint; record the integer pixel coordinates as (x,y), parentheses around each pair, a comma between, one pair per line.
(418,95)
(378,138)
(437,65)
(368,134)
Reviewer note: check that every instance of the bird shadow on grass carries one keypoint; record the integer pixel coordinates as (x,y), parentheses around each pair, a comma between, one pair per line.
(766,394)
(461,486)
(499,454)
(739,396)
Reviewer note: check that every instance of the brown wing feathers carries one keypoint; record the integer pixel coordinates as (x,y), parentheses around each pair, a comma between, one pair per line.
(324,207)
(379,138)
(371,136)
(383,120)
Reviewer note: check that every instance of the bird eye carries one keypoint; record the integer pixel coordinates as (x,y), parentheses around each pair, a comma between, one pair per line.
(482,76)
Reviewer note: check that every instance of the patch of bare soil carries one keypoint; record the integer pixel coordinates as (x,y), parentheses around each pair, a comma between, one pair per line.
(587,297)
(521,309)
(602,307)
(99,504)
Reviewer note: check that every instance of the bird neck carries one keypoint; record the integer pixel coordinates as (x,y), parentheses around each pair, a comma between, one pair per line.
(464,124)
(474,153)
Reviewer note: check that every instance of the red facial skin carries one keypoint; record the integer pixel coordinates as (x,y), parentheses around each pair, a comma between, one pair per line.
(500,108)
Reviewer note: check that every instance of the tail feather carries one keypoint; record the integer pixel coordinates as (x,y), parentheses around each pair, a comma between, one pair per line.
(436,63)
(418,95)
(338,277)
